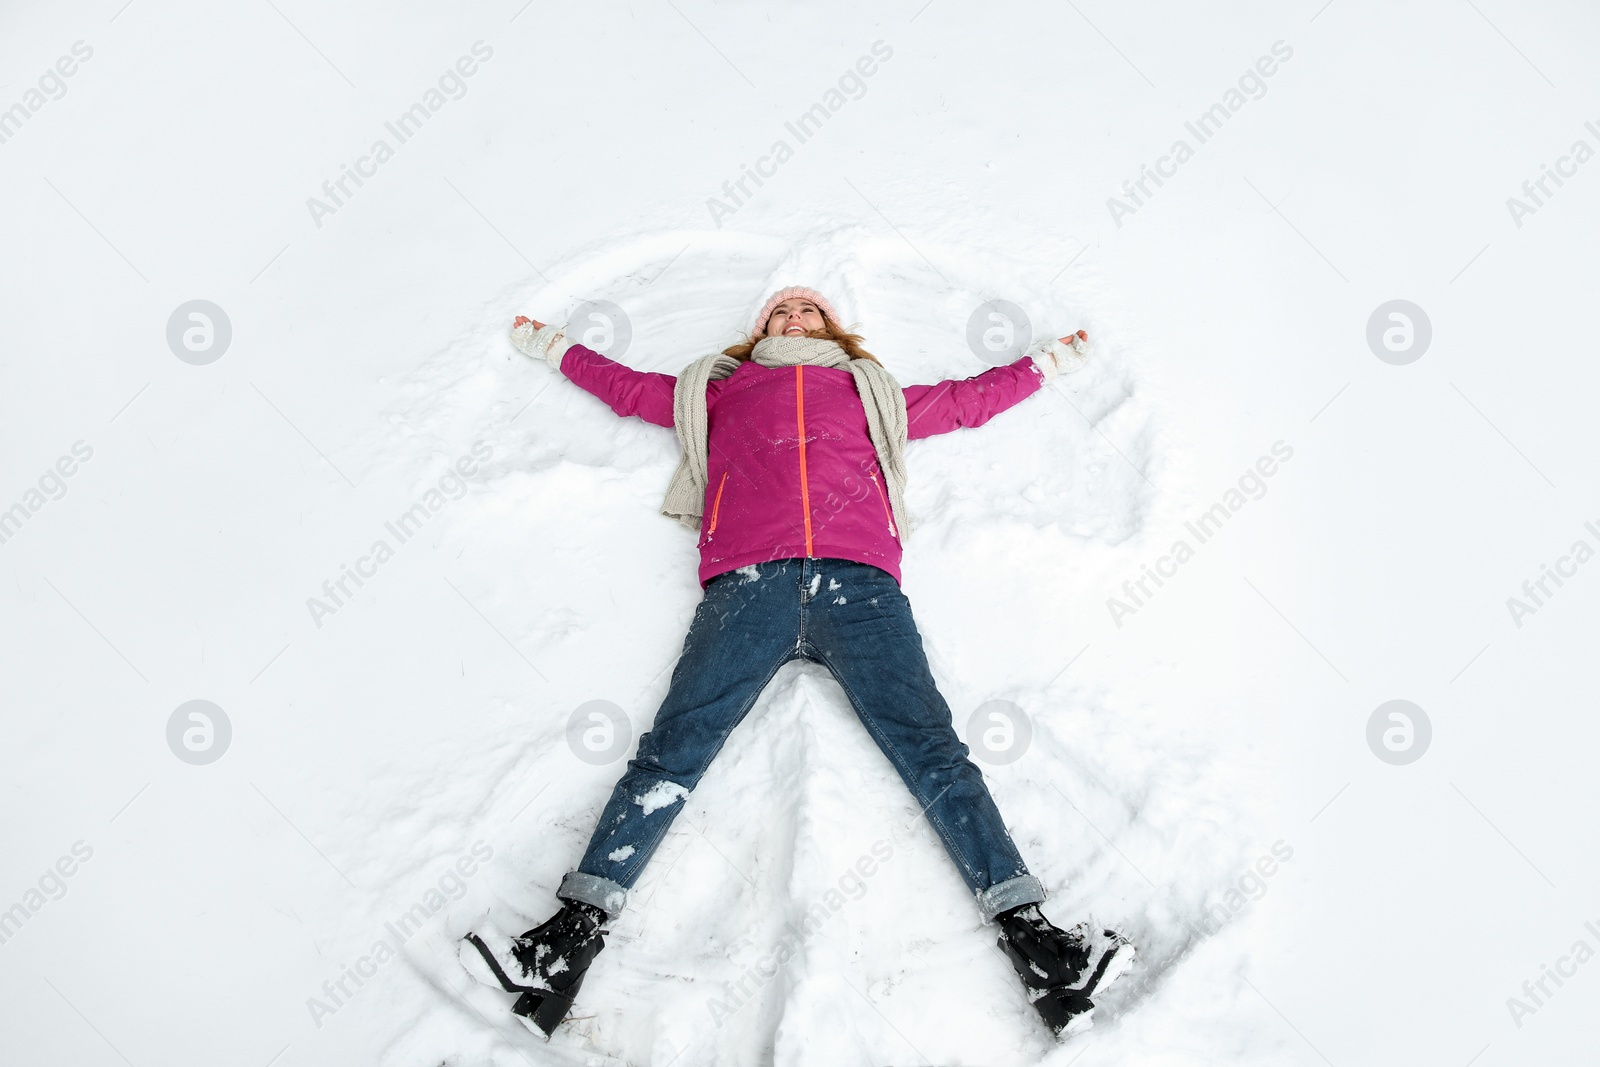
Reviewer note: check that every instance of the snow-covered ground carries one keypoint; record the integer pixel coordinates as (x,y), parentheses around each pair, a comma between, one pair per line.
(1205,764)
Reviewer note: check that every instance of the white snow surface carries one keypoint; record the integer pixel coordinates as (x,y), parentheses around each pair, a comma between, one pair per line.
(400,769)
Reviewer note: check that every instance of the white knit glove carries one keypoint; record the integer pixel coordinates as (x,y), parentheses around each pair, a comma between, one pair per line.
(548,344)
(1052,357)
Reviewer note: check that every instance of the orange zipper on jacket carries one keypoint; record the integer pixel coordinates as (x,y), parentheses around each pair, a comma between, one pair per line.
(716,506)
(800,421)
(887,514)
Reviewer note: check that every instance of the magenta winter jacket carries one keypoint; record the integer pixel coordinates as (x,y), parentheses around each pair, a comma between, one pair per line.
(792,471)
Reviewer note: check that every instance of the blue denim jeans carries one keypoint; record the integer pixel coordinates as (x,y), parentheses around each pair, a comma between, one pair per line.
(853,619)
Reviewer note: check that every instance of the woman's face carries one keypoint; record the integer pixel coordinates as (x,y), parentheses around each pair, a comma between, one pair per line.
(794,318)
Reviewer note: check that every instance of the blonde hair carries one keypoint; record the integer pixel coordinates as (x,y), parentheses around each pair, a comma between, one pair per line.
(850,342)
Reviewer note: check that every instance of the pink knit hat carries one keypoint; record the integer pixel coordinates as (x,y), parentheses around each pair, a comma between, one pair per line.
(790,293)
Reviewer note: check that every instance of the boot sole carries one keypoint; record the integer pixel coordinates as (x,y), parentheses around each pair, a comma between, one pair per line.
(1114,962)
(1117,961)
(540,1010)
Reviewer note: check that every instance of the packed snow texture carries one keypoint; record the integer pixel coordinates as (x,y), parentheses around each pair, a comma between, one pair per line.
(660,795)
(404,765)
(800,792)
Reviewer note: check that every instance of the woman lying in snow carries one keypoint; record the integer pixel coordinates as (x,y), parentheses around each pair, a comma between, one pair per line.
(792,470)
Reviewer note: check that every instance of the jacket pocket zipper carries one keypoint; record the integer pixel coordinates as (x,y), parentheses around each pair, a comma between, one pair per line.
(887,514)
(716,506)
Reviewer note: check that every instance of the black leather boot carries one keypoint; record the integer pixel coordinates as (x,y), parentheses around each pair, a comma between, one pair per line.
(1062,969)
(546,965)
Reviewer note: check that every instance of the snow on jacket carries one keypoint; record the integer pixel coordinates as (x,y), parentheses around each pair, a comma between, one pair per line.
(792,471)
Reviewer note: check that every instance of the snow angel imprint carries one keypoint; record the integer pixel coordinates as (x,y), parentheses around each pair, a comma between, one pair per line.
(792,472)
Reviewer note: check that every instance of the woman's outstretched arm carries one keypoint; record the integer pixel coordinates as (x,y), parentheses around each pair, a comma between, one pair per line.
(625,390)
(950,405)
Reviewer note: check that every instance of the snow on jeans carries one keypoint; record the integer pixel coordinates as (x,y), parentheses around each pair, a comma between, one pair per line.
(853,619)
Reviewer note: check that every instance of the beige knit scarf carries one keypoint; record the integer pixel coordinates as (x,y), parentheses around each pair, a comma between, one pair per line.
(881,396)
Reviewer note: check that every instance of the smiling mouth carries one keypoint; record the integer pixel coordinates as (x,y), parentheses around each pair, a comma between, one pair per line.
(795,329)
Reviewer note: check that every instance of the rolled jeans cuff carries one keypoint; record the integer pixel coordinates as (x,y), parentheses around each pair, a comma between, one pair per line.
(1011,893)
(600,892)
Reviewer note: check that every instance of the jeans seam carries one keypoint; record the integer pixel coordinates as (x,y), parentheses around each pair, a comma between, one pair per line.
(883,740)
(800,601)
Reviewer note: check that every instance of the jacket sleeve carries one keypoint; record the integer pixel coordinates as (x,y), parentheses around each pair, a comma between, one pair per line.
(950,405)
(625,390)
